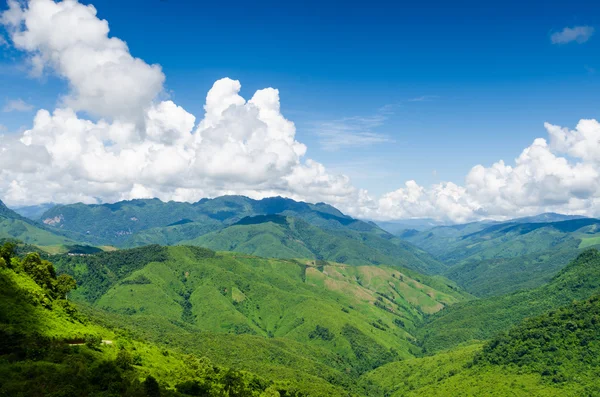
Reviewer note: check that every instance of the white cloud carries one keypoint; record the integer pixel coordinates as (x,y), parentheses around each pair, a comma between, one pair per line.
(17,105)
(540,180)
(105,80)
(579,34)
(143,147)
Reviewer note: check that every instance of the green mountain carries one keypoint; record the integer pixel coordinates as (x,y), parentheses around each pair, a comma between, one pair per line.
(119,223)
(505,257)
(483,318)
(316,321)
(271,227)
(14,226)
(49,348)
(288,237)
(268,327)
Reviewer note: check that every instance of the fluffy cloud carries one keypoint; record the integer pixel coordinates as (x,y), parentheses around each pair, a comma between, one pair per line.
(540,180)
(105,79)
(579,34)
(142,147)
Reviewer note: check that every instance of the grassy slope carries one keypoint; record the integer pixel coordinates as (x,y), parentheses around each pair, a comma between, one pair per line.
(35,359)
(267,308)
(290,237)
(481,319)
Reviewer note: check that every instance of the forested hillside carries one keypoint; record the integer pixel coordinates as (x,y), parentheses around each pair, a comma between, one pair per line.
(334,308)
(288,237)
(483,318)
(48,348)
(271,227)
(555,354)
(498,258)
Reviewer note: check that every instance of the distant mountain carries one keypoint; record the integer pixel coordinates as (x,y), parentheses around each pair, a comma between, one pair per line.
(498,258)
(280,227)
(118,223)
(282,236)
(484,318)
(15,226)
(33,212)
(546,218)
(397,227)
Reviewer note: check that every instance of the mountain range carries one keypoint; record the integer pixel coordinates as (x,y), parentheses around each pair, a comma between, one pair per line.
(273,297)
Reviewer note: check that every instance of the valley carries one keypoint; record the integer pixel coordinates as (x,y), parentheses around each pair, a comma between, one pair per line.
(301,295)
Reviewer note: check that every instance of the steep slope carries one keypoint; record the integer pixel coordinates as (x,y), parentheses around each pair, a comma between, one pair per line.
(363,315)
(554,354)
(288,237)
(48,348)
(499,276)
(13,225)
(481,319)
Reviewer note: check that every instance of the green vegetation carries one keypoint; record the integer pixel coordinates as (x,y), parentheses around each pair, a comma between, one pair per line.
(496,258)
(14,226)
(288,237)
(332,306)
(47,347)
(317,323)
(272,227)
(555,354)
(483,318)
(240,294)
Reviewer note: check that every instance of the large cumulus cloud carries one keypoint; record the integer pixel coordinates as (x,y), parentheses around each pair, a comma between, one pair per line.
(561,174)
(139,146)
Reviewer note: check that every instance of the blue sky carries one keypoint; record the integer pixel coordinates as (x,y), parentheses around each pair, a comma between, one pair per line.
(441,86)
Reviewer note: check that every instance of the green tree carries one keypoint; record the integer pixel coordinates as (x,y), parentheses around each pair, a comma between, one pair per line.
(93,341)
(7,251)
(63,285)
(124,359)
(151,387)
(41,271)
